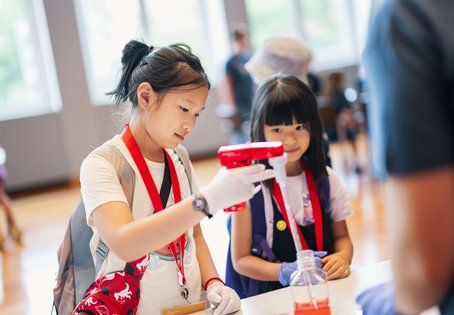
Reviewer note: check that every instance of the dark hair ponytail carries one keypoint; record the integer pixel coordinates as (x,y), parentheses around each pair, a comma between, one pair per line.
(165,68)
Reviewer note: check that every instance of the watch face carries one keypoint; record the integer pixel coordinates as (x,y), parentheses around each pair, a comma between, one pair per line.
(199,203)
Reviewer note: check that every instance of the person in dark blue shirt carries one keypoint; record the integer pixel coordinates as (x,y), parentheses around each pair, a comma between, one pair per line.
(410,67)
(240,85)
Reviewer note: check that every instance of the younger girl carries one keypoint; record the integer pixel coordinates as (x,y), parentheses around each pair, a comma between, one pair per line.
(285,110)
(168,88)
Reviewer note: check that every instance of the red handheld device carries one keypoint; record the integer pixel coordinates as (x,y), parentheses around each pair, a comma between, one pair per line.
(233,156)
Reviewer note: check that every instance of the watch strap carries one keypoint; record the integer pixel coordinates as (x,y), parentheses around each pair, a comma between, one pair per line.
(203,209)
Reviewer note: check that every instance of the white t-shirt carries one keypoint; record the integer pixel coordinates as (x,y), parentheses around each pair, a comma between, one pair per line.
(300,203)
(99,185)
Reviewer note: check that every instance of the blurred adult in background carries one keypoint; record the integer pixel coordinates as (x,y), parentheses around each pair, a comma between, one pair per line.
(284,55)
(346,126)
(410,72)
(13,230)
(240,87)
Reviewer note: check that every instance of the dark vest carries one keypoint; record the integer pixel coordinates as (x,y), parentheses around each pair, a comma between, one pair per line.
(283,248)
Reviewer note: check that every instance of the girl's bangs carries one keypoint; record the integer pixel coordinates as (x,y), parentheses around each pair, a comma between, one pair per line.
(282,113)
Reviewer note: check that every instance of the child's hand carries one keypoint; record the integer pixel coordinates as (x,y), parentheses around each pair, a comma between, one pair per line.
(225,299)
(287,269)
(336,266)
(232,186)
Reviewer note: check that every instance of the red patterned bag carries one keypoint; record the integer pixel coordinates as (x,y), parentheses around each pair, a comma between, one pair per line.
(116,293)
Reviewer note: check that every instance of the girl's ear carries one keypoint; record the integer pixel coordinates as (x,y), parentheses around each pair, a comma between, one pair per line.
(145,95)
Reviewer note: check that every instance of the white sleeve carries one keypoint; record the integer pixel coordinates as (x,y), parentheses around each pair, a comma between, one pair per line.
(99,184)
(340,207)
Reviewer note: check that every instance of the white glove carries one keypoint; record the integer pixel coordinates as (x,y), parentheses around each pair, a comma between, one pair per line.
(225,299)
(232,186)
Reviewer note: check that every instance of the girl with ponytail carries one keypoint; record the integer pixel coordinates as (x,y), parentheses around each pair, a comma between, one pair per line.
(157,236)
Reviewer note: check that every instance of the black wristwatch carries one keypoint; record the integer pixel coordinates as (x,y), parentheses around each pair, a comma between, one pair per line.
(200,204)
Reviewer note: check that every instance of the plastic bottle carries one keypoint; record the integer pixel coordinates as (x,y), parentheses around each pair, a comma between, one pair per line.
(309,287)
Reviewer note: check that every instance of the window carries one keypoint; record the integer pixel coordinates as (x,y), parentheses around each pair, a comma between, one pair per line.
(28,84)
(327,29)
(106,26)
(267,18)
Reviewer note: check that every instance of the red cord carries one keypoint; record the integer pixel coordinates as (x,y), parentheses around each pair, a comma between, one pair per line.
(212,279)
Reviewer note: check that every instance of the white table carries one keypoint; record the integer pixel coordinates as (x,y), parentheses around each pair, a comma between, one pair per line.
(342,294)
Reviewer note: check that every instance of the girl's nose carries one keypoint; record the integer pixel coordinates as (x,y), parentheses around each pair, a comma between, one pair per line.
(189,125)
(289,138)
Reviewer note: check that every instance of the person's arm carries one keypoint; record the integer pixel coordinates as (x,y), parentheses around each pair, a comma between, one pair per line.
(206,264)
(337,265)
(422,222)
(241,240)
(130,238)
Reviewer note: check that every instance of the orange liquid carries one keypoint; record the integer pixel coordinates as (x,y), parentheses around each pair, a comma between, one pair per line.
(308,308)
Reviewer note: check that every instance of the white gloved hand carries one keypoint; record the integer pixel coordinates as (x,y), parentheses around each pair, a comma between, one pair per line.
(225,299)
(232,186)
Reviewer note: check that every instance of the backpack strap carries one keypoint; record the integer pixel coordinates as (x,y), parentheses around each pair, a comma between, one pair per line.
(81,233)
(126,176)
(125,172)
(183,156)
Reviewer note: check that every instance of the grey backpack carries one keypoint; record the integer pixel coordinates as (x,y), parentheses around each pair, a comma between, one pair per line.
(76,270)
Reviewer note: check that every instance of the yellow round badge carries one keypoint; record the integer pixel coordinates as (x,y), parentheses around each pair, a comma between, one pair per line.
(281,225)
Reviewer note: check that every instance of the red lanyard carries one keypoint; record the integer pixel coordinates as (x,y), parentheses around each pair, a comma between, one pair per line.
(134,150)
(317,212)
